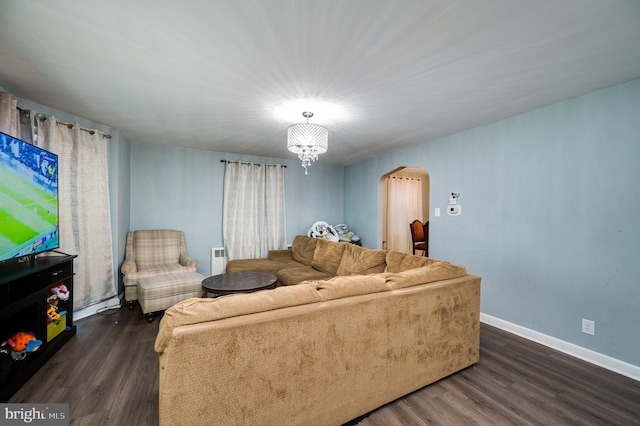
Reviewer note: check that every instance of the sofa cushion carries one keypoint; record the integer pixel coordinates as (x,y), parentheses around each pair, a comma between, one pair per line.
(260,265)
(327,256)
(291,276)
(435,271)
(359,260)
(350,285)
(398,261)
(201,310)
(302,249)
(280,255)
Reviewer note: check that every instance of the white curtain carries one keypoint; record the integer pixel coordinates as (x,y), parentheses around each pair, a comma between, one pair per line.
(85,218)
(14,121)
(405,205)
(254,218)
(274,233)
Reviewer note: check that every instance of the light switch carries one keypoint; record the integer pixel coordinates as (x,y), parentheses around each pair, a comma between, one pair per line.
(437,212)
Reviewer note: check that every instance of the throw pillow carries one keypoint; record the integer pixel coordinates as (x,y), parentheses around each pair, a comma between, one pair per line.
(327,256)
(361,261)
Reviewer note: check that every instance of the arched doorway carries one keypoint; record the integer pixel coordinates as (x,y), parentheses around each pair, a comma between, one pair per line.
(389,230)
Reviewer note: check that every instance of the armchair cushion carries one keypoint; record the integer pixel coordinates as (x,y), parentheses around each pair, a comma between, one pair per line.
(161,247)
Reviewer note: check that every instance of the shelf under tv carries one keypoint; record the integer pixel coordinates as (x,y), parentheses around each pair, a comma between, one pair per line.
(24,287)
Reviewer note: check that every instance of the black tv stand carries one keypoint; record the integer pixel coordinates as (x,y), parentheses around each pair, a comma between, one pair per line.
(24,288)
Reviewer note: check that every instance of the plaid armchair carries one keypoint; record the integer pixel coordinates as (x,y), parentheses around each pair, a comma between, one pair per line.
(153,253)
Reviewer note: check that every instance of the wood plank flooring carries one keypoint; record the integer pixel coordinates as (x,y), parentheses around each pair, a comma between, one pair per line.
(108,373)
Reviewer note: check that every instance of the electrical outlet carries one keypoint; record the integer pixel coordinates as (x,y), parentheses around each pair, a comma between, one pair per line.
(588,327)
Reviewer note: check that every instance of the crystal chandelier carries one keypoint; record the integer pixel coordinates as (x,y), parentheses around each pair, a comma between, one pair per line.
(307,140)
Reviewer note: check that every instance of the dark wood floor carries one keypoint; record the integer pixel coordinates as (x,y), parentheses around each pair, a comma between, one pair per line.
(108,373)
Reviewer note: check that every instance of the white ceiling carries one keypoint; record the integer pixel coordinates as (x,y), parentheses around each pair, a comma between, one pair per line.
(214,74)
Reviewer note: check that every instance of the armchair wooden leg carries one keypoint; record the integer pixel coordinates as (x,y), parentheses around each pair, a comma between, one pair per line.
(131,304)
(149,317)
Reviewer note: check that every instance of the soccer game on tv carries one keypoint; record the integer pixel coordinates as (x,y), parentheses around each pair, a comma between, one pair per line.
(28,199)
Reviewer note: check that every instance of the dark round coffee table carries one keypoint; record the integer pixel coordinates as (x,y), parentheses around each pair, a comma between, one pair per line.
(238,282)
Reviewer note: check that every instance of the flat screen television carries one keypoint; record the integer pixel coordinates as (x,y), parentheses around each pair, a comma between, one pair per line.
(28,199)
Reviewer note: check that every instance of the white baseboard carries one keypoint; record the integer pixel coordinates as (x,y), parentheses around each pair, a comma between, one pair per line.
(115,302)
(604,361)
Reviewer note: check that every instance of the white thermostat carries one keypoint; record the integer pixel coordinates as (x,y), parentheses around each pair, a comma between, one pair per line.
(454,209)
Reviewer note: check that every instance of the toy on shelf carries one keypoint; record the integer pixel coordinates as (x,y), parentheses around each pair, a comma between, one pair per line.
(53,314)
(56,319)
(61,291)
(52,310)
(23,343)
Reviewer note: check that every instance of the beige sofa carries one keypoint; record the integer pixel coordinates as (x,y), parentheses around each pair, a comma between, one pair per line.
(317,259)
(322,352)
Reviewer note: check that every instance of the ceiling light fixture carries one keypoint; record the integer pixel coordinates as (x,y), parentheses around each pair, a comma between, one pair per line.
(307,140)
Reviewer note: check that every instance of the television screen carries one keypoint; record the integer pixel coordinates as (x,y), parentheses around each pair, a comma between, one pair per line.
(28,199)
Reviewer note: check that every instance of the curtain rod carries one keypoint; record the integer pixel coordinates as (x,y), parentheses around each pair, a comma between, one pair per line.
(43,117)
(403,177)
(255,164)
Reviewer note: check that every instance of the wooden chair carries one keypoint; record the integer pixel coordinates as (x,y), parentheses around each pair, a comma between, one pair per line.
(419,237)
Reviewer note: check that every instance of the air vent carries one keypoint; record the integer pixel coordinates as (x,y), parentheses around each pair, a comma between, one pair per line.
(218,261)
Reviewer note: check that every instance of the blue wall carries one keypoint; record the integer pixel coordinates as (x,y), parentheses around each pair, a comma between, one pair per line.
(177,188)
(550,203)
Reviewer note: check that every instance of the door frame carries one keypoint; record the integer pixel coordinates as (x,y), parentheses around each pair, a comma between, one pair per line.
(408,171)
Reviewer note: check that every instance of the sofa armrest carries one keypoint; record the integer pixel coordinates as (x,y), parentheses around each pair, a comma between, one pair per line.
(188,261)
(280,255)
(128,267)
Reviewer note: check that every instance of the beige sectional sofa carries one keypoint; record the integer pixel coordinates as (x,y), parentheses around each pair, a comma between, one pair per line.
(317,259)
(321,352)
